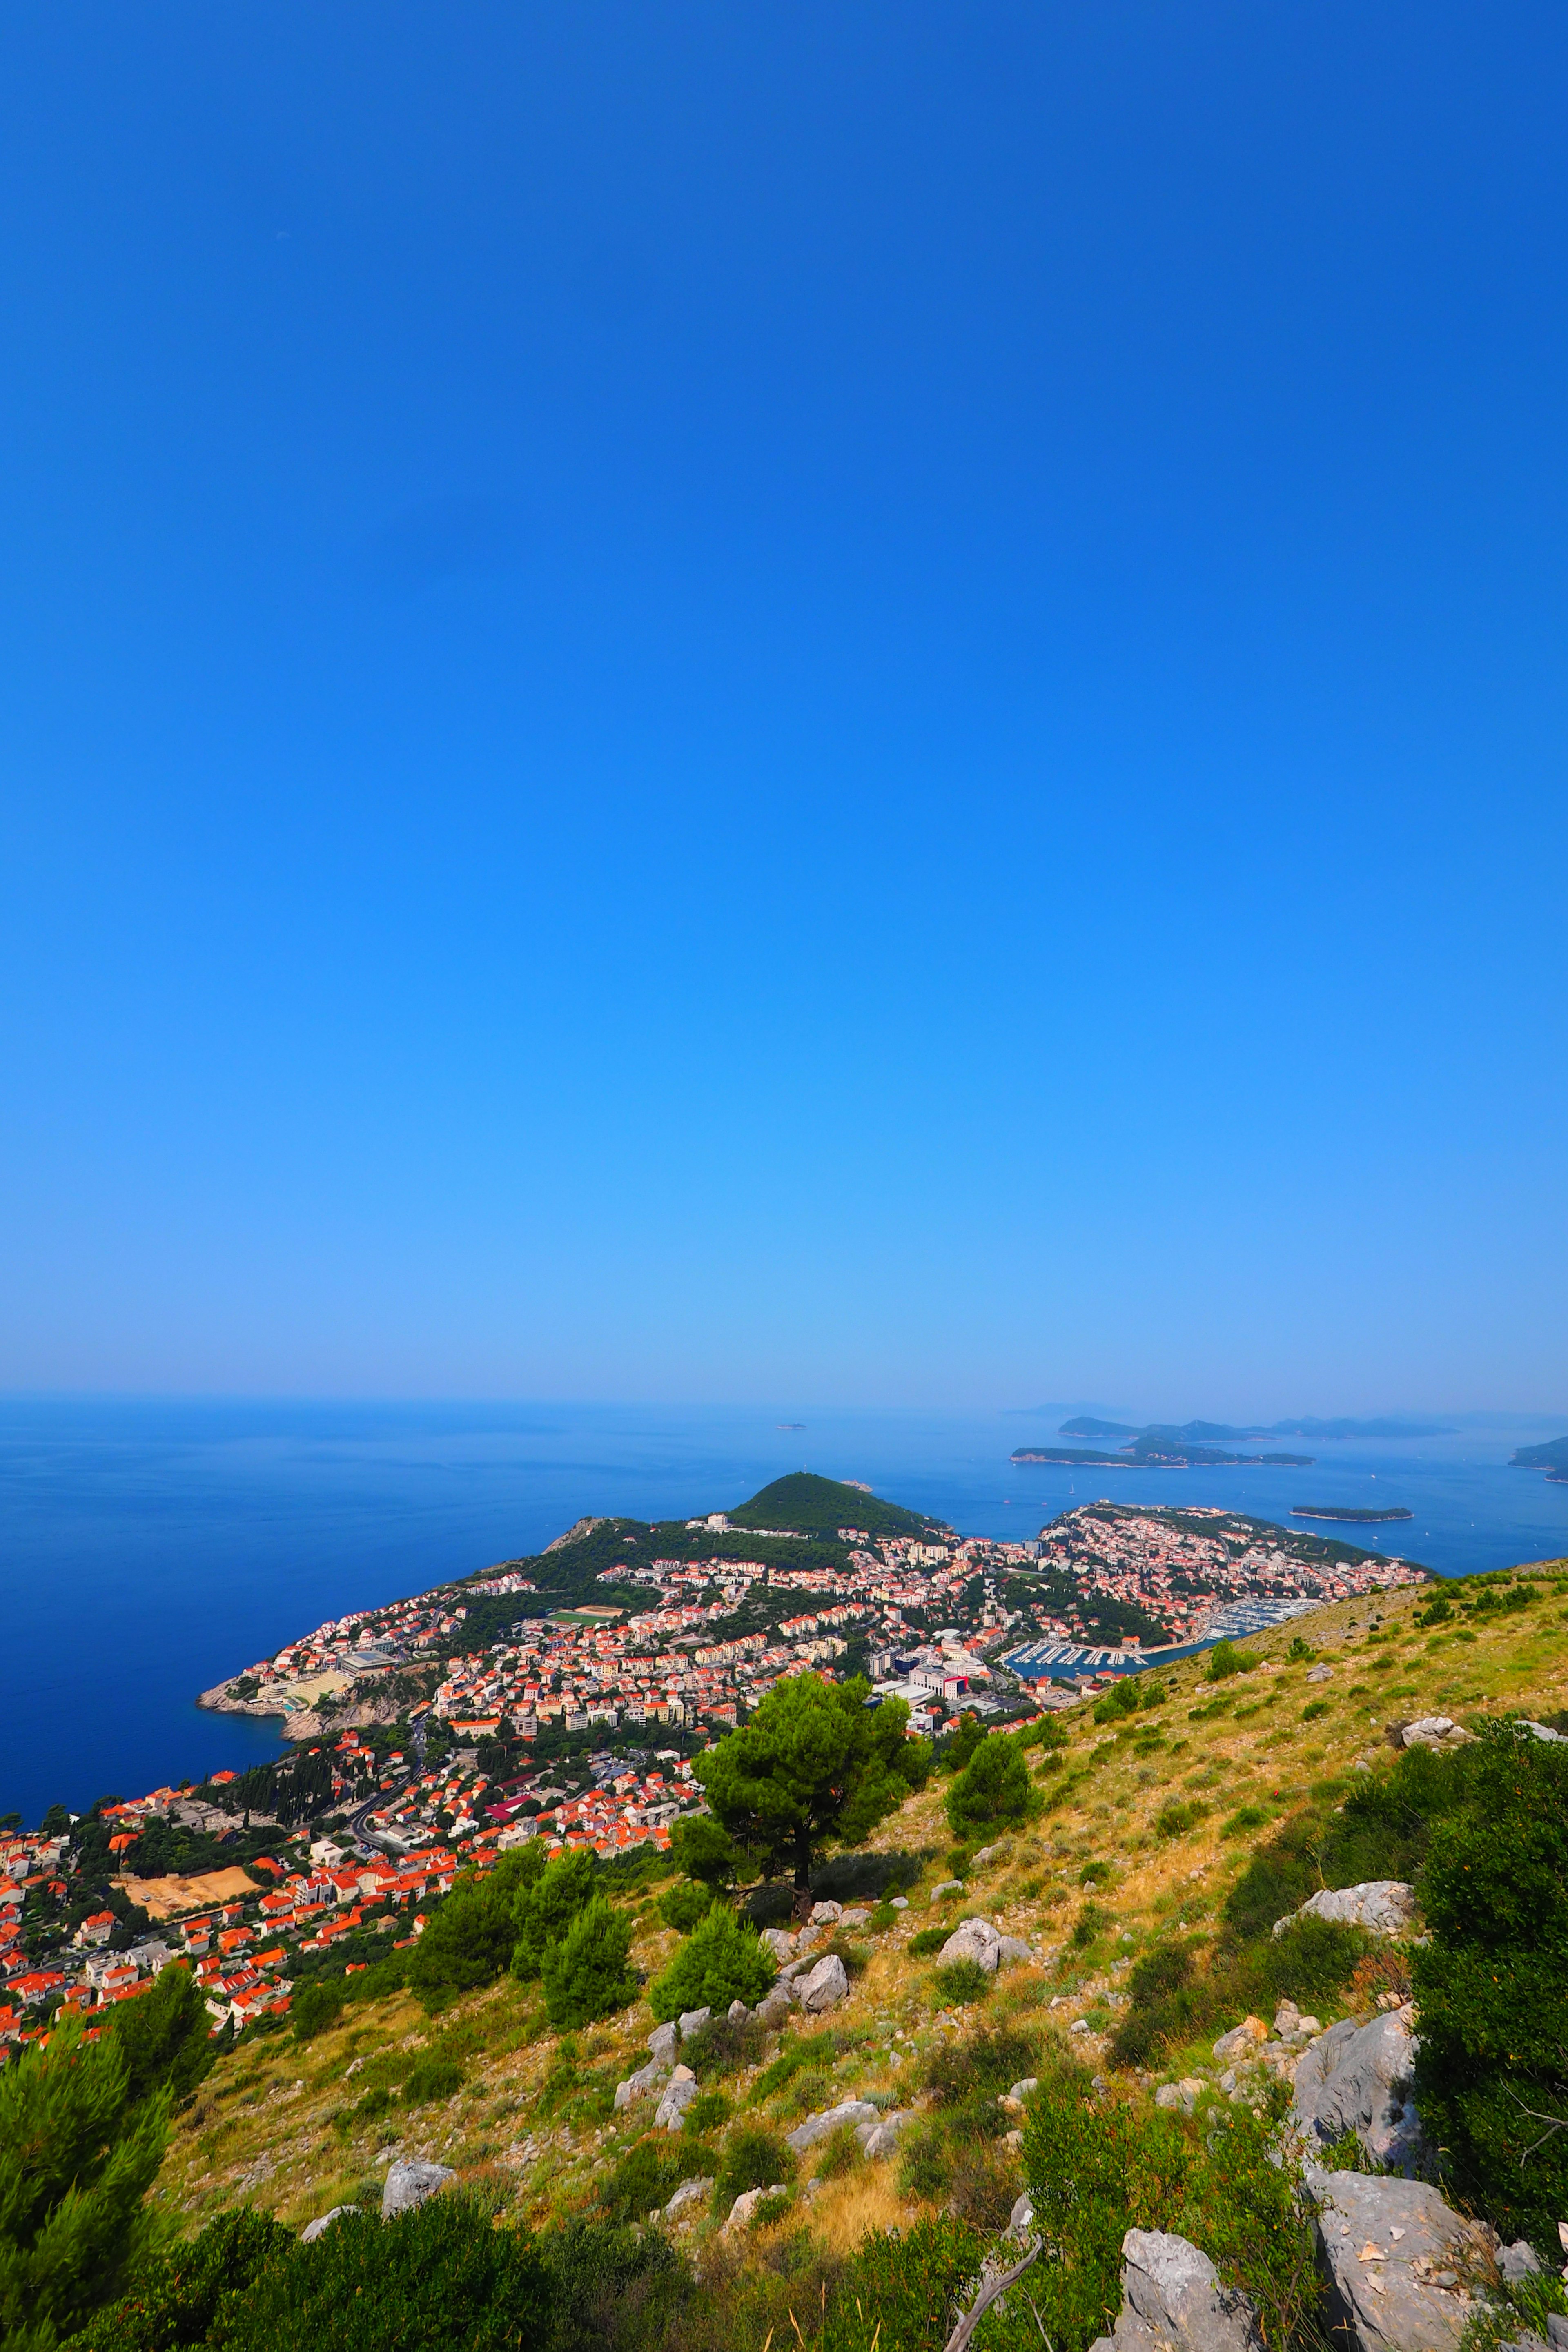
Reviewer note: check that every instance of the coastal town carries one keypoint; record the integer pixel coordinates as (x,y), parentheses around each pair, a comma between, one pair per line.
(430,1735)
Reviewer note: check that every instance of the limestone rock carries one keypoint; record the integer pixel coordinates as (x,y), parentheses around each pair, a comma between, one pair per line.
(823,2126)
(1319,1673)
(1021,2090)
(824,1988)
(314,2230)
(1172,2301)
(1518,2262)
(1243,2041)
(408,2185)
(746,2204)
(692,2021)
(856,1917)
(663,2042)
(1012,1948)
(1543,1731)
(900,1903)
(646,2079)
(947,1886)
(882,2138)
(1434,1731)
(1356,2078)
(738,2013)
(826,1915)
(778,1941)
(690,2192)
(1394,2257)
(985,1857)
(679,2094)
(1021,2221)
(774,2007)
(1385,1906)
(973,1939)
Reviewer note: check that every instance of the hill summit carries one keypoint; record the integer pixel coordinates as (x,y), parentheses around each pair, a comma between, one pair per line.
(806,1505)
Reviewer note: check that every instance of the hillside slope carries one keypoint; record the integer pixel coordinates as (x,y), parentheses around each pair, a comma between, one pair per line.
(1149,1823)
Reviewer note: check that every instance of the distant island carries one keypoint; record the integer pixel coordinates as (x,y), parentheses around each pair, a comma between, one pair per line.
(1200,1433)
(1551,1457)
(1346,1511)
(1149,1451)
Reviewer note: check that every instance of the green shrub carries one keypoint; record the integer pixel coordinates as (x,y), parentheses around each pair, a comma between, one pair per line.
(1096,2168)
(963,1742)
(720,2048)
(587,1972)
(612,2289)
(173,2296)
(1244,1818)
(1119,1702)
(812,2049)
(752,2159)
(927,1940)
(1492,1984)
(1092,1920)
(1174,1820)
(439,2276)
(684,1904)
(646,2176)
(1314,1709)
(432,2078)
(986,2062)
(315,2008)
(961,1982)
(1300,1653)
(1225,1659)
(720,1961)
(991,1791)
(902,2290)
(841,2153)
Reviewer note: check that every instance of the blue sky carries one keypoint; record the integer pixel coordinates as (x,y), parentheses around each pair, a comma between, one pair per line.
(862,704)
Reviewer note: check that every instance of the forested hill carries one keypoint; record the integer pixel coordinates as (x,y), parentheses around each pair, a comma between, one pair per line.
(820,1506)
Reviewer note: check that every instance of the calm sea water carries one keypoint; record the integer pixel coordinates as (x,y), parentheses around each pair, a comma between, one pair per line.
(150,1548)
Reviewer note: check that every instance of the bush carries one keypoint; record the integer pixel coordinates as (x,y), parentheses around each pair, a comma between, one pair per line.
(586,1973)
(928,1940)
(722,1960)
(1492,1985)
(1093,1919)
(315,2009)
(904,2289)
(439,2276)
(166,2036)
(1175,1820)
(1098,2168)
(429,2080)
(702,1849)
(684,1904)
(991,1791)
(753,2159)
(610,2288)
(1225,1659)
(1119,1702)
(966,1738)
(963,1981)
(173,2296)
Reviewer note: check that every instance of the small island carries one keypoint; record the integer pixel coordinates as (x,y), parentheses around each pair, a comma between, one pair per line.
(1347,1511)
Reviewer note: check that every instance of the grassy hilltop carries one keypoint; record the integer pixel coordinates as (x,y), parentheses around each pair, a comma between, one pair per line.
(1165,1828)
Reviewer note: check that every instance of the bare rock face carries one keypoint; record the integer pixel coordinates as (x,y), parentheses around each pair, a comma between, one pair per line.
(1357,2078)
(824,1988)
(881,2139)
(1172,2301)
(690,2192)
(408,2185)
(823,2126)
(1383,1907)
(663,2042)
(1396,2259)
(692,2021)
(974,1939)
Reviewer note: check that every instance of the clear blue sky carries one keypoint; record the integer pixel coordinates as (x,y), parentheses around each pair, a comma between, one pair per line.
(835,702)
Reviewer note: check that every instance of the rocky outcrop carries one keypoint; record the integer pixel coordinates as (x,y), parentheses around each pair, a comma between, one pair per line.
(408,2185)
(1383,1907)
(831,2119)
(1395,2260)
(1172,2301)
(1430,1731)
(881,2139)
(690,2192)
(1357,2078)
(680,2092)
(978,1940)
(692,2021)
(662,2041)
(826,1988)
(322,2223)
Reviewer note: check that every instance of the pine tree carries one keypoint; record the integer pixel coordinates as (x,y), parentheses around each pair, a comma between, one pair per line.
(77,2153)
(586,1973)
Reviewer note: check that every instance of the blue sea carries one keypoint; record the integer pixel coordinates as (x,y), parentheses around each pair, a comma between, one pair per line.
(153,1547)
